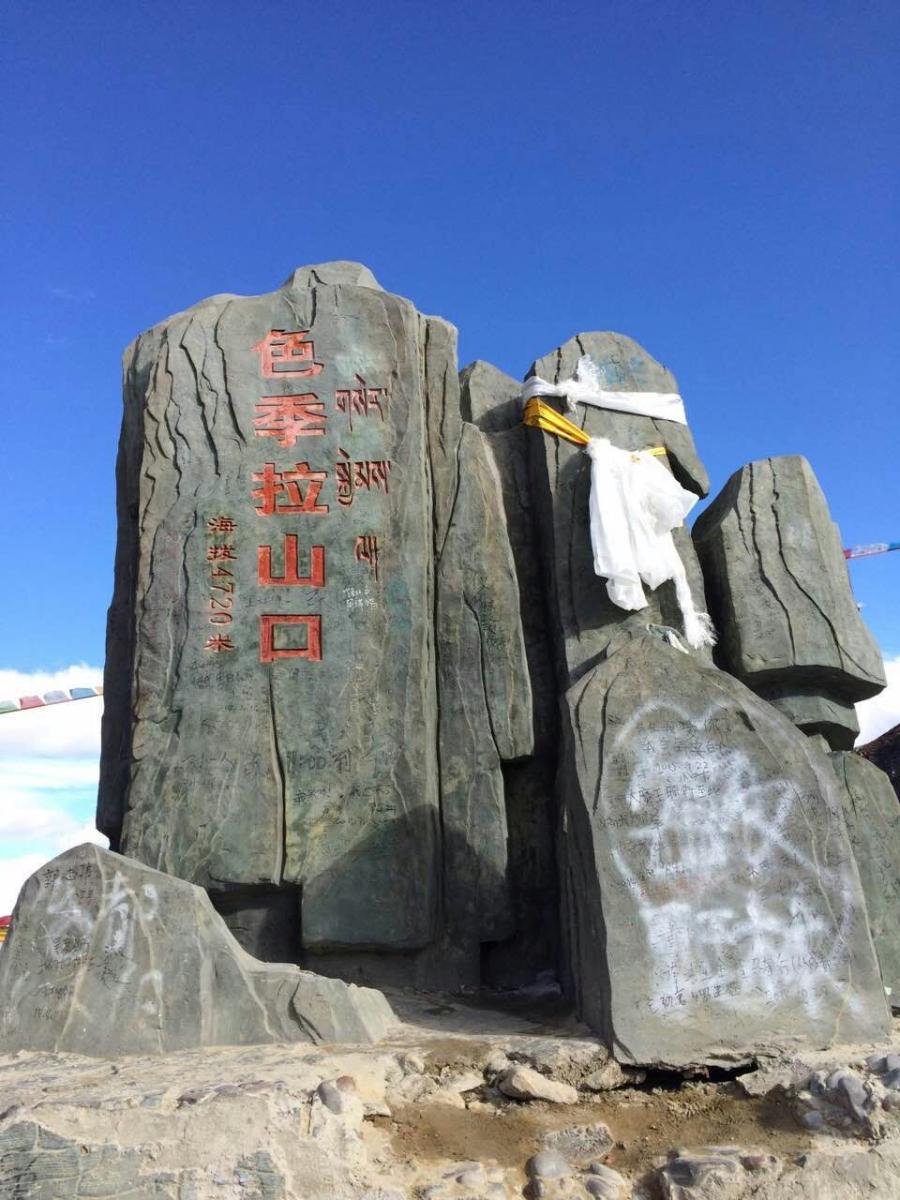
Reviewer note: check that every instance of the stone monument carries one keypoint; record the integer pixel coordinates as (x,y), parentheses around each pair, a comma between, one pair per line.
(373,718)
(314,628)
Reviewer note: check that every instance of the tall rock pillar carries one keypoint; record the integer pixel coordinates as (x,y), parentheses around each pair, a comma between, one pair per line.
(289,484)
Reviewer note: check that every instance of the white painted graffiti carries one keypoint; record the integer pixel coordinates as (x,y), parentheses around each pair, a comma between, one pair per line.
(717,848)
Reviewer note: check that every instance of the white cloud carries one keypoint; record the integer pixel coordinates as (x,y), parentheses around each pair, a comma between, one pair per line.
(25,683)
(14,871)
(28,775)
(49,765)
(882,712)
(69,729)
(33,821)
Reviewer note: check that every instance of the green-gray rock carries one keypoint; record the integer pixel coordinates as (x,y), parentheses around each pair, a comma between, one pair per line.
(289,470)
(712,901)
(582,616)
(106,956)
(780,596)
(484,698)
(873,822)
(492,401)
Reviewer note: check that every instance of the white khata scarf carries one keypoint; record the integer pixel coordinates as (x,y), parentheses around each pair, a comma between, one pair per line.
(634,505)
(585,388)
(635,502)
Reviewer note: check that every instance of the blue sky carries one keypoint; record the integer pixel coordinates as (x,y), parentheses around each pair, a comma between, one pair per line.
(718,180)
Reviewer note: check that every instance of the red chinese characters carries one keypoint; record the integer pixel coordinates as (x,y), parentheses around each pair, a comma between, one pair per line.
(221,525)
(295,491)
(221,580)
(312,649)
(289,417)
(287,355)
(219,642)
(291,576)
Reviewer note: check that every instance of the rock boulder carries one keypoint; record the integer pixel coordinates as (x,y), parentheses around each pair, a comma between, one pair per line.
(780,597)
(712,902)
(106,957)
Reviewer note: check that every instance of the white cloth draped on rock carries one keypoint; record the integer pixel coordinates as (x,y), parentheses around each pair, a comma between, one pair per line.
(585,388)
(635,503)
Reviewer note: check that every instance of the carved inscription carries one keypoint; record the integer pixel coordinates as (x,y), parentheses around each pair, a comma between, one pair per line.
(89,928)
(290,576)
(289,417)
(365,474)
(287,355)
(311,625)
(220,556)
(297,489)
(361,401)
(292,491)
(366,551)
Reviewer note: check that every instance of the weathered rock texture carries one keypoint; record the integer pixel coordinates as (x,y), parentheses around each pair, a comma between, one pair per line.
(780,596)
(713,903)
(485,694)
(873,822)
(583,617)
(106,956)
(491,400)
(351,591)
(295,477)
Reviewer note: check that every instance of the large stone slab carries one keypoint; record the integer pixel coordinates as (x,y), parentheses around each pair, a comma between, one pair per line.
(484,698)
(492,401)
(288,472)
(106,956)
(583,618)
(712,899)
(780,596)
(873,822)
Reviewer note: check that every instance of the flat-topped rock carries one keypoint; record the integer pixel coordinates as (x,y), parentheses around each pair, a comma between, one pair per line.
(712,900)
(780,597)
(106,956)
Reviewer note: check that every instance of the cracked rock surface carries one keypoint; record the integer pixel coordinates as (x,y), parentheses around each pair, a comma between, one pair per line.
(709,833)
(873,823)
(315,620)
(582,616)
(106,956)
(780,597)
